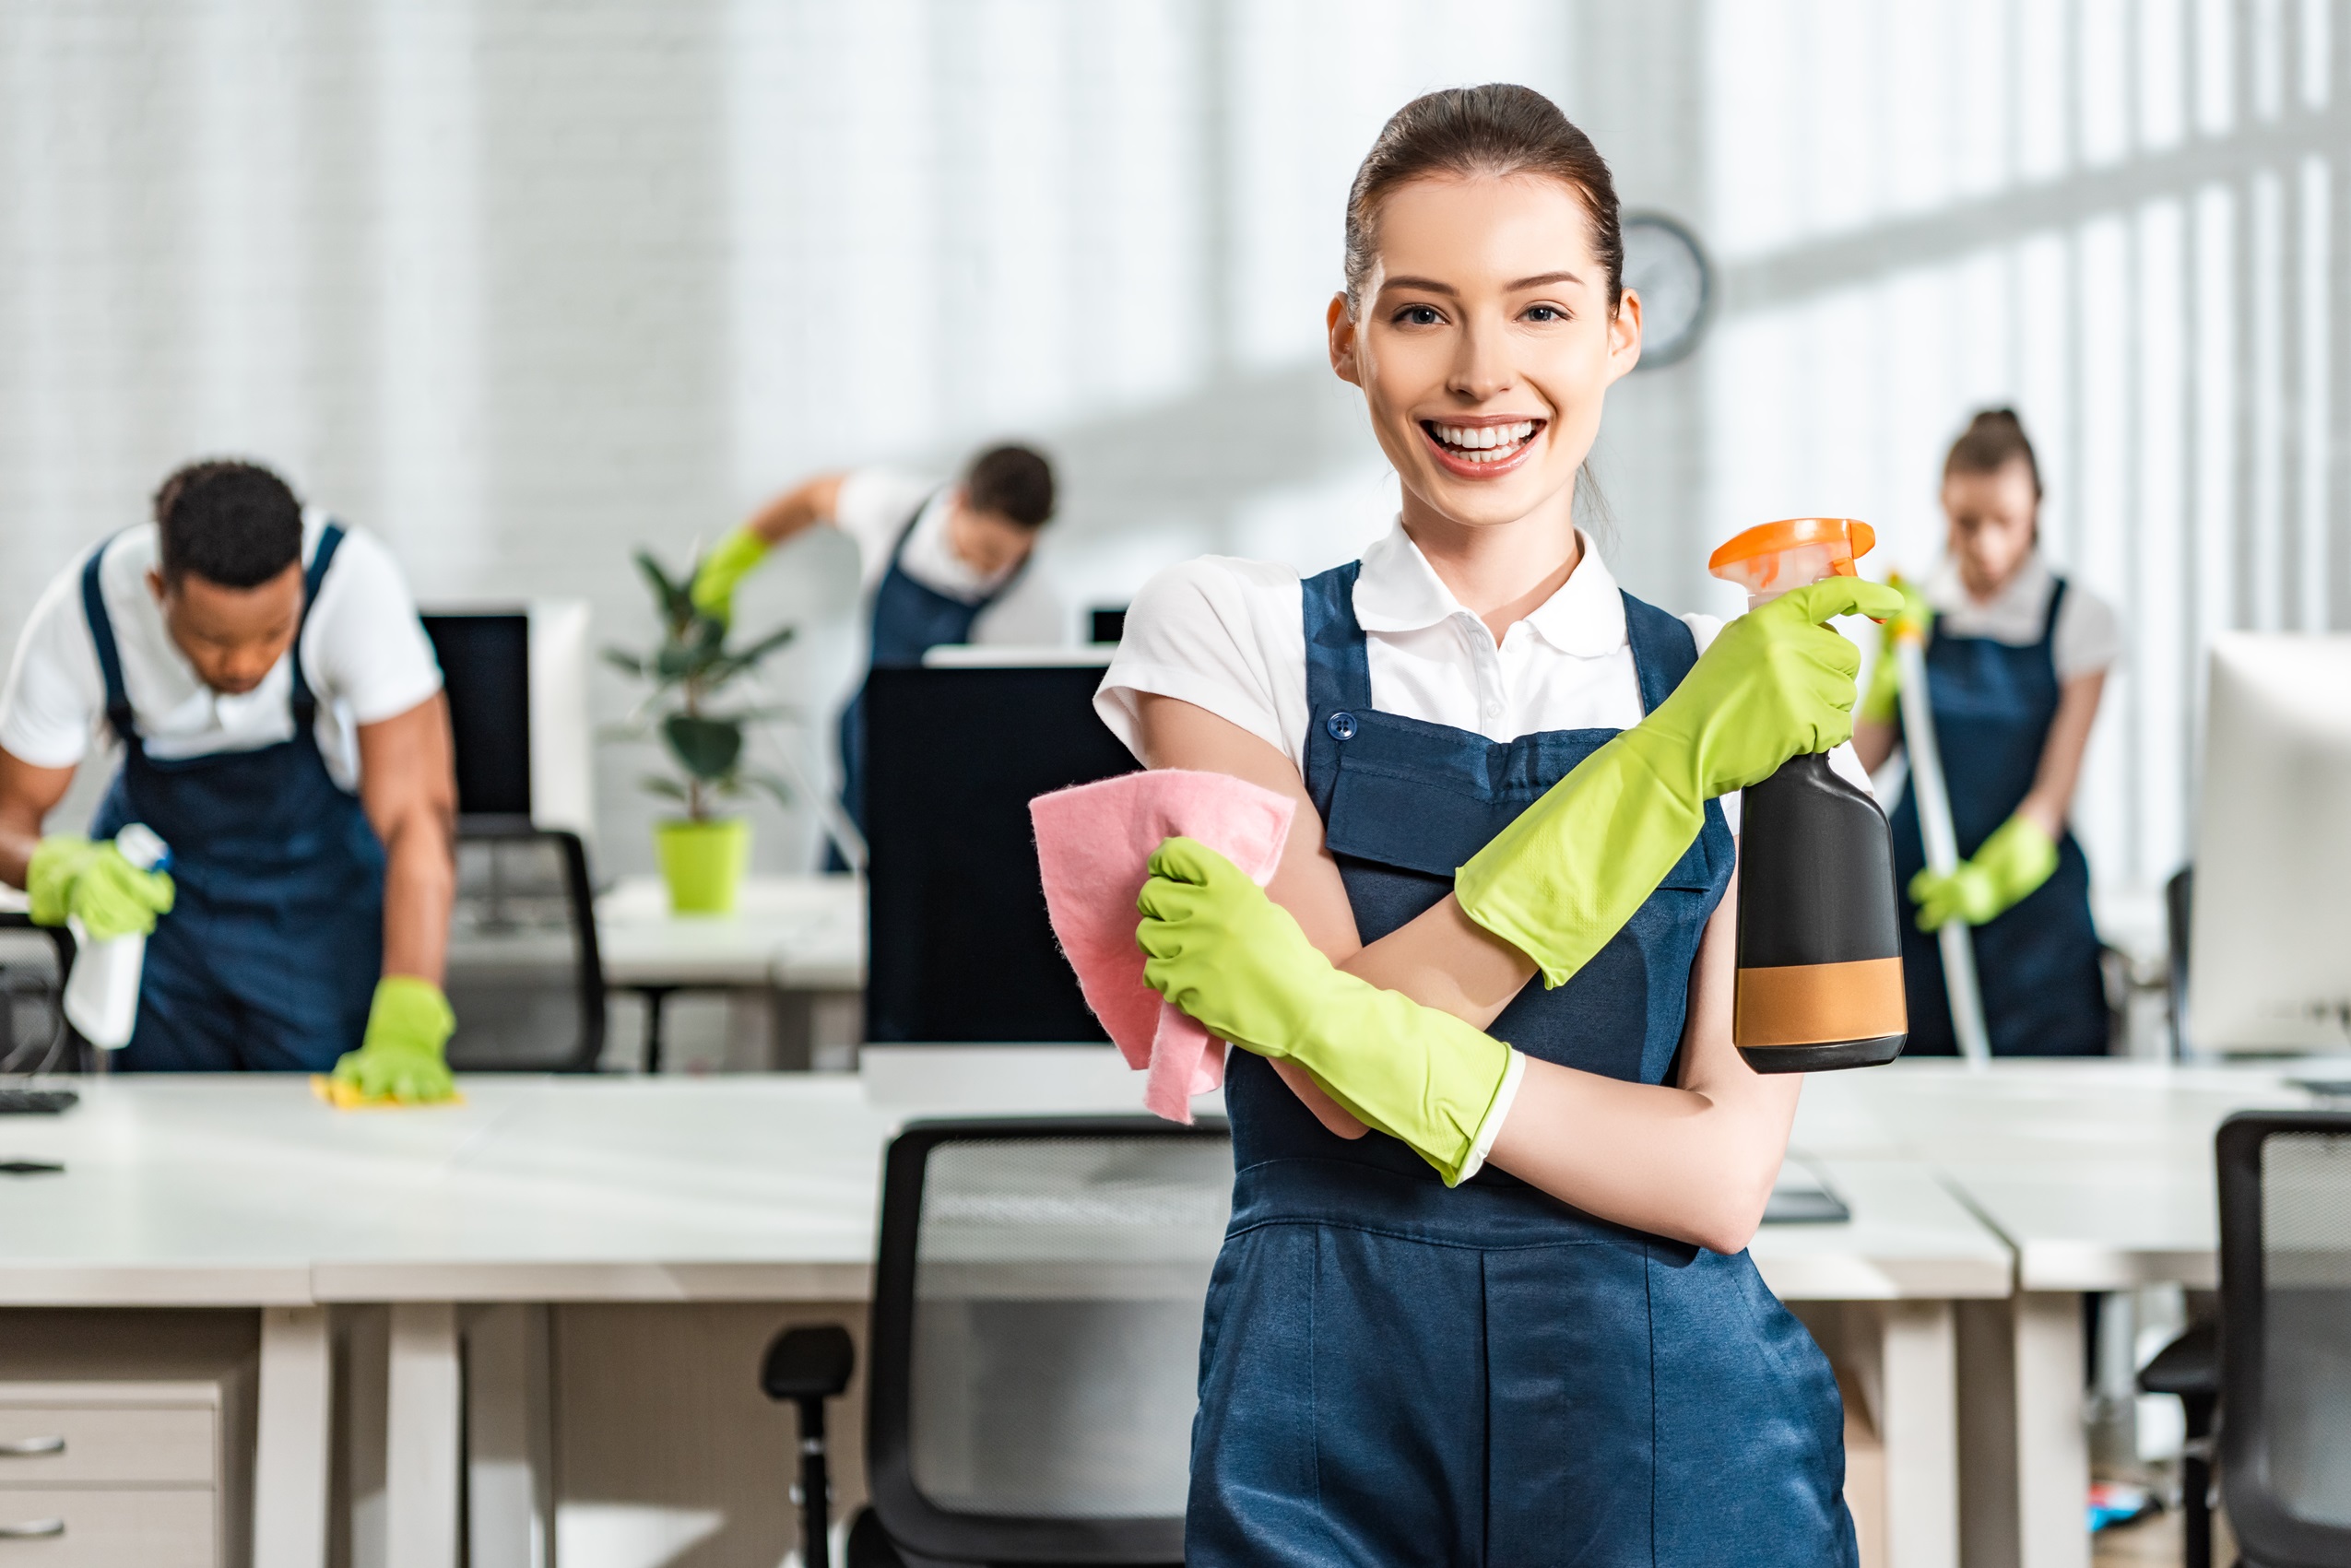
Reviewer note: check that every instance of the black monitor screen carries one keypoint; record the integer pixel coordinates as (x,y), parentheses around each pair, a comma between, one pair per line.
(486,669)
(959,945)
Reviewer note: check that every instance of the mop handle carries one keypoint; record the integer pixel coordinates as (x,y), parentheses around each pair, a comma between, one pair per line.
(1933,800)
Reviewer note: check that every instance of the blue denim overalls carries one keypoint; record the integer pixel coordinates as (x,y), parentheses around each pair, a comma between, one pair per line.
(908,621)
(1393,1373)
(270,955)
(2038,961)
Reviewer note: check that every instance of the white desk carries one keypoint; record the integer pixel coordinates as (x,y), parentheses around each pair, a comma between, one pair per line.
(794,933)
(801,936)
(247,1192)
(2098,1174)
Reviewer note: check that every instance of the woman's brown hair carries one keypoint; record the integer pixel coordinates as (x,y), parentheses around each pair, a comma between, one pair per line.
(1499,129)
(1993,439)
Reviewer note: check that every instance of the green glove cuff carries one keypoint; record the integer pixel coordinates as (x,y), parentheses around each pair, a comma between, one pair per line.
(2017,859)
(723,570)
(1216,947)
(1560,881)
(1432,1089)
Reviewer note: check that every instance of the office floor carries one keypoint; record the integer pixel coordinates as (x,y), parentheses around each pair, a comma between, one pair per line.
(2155,1540)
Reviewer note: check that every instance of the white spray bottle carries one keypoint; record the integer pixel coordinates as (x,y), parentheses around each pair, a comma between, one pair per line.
(102,994)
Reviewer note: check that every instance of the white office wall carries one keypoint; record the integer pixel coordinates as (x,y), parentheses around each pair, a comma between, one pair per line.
(521,284)
(2124,217)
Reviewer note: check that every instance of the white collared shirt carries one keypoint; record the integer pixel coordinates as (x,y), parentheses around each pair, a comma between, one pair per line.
(1227,635)
(2086,639)
(363,652)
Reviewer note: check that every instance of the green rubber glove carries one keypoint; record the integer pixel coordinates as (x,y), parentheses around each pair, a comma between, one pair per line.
(723,570)
(2017,858)
(1560,881)
(1882,703)
(400,1057)
(72,878)
(1235,960)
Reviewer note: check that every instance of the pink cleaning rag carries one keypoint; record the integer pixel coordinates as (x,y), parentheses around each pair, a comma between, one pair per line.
(1093,844)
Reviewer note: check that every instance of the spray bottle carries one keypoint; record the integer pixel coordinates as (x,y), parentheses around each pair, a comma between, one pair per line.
(102,994)
(1820,937)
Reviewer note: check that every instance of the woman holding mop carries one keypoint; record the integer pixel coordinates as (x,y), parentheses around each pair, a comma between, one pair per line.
(1485,1297)
(2017,662)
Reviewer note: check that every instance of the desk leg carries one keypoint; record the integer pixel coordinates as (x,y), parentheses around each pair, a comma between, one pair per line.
(294,1439)
(509,1478)
(424,1407)
(2052,1448)
(1919,1422)
(2025,1458)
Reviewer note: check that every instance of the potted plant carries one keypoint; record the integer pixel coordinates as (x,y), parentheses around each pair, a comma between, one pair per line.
(704,851)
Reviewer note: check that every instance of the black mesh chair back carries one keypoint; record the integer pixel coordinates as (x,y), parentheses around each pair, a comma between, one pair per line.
(1036,1336)
(35,1035)
(525,976)
(2285,1336)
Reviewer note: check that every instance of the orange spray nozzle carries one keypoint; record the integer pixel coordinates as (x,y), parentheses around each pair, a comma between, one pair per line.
(1771,557)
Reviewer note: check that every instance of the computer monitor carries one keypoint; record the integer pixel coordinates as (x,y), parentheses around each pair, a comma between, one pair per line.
(959,948)
(517,680)
(2270,944)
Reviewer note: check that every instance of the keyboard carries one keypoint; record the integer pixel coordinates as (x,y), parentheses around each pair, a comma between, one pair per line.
(37,1102)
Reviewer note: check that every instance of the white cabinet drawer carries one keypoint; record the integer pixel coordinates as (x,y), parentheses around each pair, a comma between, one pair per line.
(41,1445)
(106,1529)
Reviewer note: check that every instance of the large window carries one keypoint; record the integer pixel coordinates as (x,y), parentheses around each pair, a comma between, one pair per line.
(2120,219)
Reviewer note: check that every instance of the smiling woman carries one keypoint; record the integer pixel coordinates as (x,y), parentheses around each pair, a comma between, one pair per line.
(1485,1289)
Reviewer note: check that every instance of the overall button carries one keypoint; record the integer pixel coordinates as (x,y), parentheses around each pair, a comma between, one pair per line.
(1341,725)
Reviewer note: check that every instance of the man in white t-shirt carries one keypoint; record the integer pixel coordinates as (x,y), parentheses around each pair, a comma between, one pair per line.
(284,734)
(934,559)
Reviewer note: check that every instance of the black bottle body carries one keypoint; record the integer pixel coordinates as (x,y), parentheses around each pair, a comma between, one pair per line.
(1820,934)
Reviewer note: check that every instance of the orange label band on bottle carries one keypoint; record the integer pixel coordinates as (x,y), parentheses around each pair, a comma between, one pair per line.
(1812,1004)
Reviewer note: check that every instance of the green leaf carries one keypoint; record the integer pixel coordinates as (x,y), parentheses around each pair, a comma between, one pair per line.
(774,786)
(706,747)
(625,662)
(669,789)
(677,603)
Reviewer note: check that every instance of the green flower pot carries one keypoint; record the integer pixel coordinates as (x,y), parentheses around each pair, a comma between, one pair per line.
(703,863)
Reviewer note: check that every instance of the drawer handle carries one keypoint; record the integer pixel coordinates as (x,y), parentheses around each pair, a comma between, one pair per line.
(33,1529)
(31,1447)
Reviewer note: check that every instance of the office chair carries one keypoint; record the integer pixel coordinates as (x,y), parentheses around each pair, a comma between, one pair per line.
(1035,1340)
(2286,1335)
(53,1045)
(525,975)
(808,1366)
(2188,1368)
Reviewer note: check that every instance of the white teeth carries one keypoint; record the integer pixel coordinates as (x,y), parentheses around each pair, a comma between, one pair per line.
(1485,444)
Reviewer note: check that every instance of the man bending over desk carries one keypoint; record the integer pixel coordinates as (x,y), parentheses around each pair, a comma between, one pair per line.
(284,732)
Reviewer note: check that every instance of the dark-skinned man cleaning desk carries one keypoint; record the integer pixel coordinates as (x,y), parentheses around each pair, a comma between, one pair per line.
(284,732)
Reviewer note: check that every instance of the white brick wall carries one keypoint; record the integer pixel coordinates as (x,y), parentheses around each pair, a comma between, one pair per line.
(522,283)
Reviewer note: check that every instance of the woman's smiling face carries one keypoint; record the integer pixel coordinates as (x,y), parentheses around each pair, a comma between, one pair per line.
(1484,344)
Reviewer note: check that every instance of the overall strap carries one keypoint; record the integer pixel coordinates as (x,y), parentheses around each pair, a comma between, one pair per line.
(2056,599)
(304,704)
(109,658)
(1663,649)
(1338,673)
(899,548)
